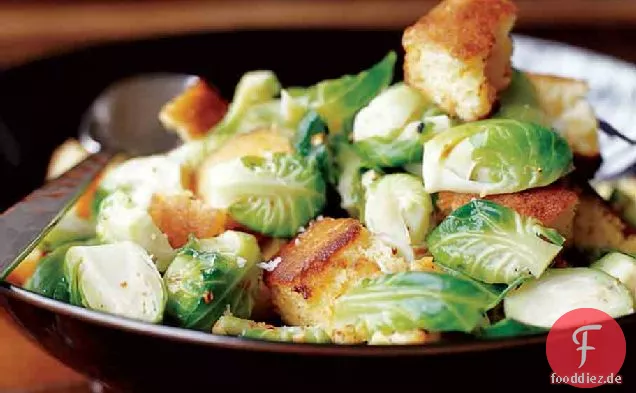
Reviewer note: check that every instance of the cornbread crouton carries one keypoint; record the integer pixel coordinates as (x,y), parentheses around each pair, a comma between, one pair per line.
(458,55)
(313,270)
(563,100)
(597,226)
(194,112)
(554,206)
(65,157)
(180,215)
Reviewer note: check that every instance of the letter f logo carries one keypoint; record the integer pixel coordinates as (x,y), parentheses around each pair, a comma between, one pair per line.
(584,347)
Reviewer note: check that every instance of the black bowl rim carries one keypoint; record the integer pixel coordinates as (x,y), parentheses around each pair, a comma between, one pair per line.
(188,336)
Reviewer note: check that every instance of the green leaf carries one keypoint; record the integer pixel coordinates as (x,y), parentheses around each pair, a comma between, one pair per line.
(494,156)
(253,97)
(311,142)
(389,152)
(509,328)
(231,326)
(338,100)
(414,300)
(273,195)
(493,243)
(349,166)
(202,285)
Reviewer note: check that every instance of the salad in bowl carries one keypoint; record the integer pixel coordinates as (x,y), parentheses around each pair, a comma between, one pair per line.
(378,207)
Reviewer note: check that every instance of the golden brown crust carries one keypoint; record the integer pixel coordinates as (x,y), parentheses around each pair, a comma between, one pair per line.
(465,28)
(314,248)
(545,204)
(179,216)
(597,226)
(564,102)
(458,55)
(194,112)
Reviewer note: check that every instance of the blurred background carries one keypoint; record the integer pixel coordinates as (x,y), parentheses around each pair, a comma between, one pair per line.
(31,29)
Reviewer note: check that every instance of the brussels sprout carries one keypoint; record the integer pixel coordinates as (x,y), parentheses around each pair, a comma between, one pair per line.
(541,302)
(399,210)
(229,325)
(620,266)
(118,278)
(493,243)
(273,195)
(387,131)
(144,176)
(310,141)
(414,300)
(494,157)
(520,102)
(349,181)
(254,88)
(48,278)
(235,243)
(202,285)
(509,328)
(121,219)
(338,100)
(391,110)
(71,227)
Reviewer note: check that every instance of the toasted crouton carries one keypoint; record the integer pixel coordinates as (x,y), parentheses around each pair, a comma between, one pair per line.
(194,112)
(180,215)
(598,227)
(321,264)
(554,206)
(65,157)
(564,102)
(458,55)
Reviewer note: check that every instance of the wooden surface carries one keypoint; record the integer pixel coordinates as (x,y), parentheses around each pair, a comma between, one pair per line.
(24,366)
(29,29)
(33,28)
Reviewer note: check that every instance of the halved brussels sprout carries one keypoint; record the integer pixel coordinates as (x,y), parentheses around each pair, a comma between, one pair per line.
(274,195)
(494,157)
(338,100)
(493,243)
(120,219)
(541,302)
(48,278)
(620,266)
(414,300)
(202,285)
(229,325)
(391,110)
(118,278)
(144,176)
(519,101)
(254,88)
(399,211)
(387,131)
(235,243)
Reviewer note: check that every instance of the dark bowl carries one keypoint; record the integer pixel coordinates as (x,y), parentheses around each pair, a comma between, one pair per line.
(41,103)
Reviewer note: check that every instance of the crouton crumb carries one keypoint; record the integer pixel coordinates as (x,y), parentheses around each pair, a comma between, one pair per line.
(271,265)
